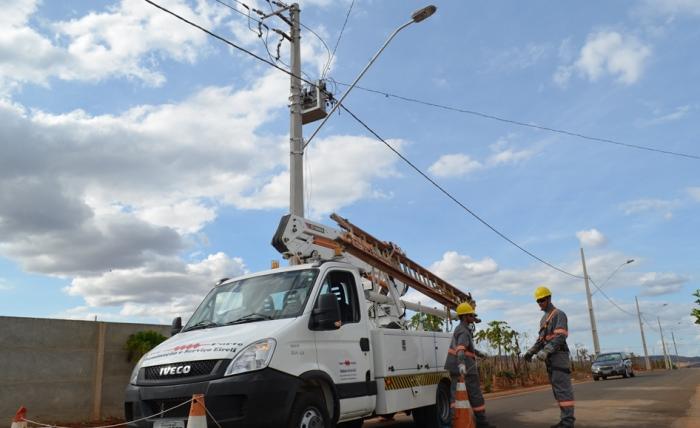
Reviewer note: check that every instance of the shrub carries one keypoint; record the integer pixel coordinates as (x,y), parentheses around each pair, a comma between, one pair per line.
(141,342)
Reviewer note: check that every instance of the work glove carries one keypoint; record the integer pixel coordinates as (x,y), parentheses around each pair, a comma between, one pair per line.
(462,369)
(528,356)
(542,355)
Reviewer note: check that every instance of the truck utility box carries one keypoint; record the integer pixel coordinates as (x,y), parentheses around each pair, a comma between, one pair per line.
(407,368)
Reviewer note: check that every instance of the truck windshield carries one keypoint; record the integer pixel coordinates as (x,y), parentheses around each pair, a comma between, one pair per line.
(608,357)
(267,297)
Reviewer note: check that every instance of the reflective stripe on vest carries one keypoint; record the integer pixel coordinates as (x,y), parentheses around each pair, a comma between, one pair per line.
(544,325)
(555,333)
(456,351)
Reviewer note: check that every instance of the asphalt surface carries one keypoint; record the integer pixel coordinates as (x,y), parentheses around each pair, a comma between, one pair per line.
(656,399)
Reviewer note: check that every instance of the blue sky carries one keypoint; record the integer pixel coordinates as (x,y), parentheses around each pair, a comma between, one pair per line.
(141,160)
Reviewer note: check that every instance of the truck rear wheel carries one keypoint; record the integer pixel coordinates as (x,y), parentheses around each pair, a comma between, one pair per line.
(437,415)
(309,411)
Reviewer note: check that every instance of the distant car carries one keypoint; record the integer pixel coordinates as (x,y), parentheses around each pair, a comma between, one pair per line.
(612,364)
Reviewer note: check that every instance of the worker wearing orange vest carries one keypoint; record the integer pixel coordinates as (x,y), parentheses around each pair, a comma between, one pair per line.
(552,349)
(461,361)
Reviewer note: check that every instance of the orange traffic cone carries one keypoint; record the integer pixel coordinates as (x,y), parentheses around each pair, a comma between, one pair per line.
(198,415)
(18,421)
(463,416)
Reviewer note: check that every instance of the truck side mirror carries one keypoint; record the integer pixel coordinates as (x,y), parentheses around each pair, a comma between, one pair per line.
(176,326)
(326,314)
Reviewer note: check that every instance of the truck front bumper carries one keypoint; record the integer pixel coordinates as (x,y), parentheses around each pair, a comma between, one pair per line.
(259,399)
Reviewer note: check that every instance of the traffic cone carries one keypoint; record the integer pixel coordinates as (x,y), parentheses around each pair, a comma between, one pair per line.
(463,416)
(18,421)
(198,414)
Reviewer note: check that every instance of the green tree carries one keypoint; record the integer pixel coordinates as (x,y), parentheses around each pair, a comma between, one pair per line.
(141,342)
(426,322)
(696,312)
(502,338)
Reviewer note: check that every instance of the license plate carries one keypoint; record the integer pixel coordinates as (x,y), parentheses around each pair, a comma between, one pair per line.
(169,423)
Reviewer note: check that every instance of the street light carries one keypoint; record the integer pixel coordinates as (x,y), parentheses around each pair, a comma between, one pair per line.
(594,329)
(612,274)
(417,16)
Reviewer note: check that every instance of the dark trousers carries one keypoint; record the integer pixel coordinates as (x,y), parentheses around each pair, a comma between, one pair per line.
(560,377)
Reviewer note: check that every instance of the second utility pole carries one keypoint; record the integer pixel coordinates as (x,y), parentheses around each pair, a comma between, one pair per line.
(641,329)
(663,344)
(594,329)
(296,139)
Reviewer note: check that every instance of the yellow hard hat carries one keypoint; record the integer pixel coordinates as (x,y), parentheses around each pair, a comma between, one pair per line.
(542,292)
(465,309)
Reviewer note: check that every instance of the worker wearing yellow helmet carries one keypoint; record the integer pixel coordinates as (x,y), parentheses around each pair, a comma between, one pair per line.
(461,362)
(552,349)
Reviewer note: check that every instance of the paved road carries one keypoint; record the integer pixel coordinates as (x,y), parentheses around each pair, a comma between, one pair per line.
(656,399)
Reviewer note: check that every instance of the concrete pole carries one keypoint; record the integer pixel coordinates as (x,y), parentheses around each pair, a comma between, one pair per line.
(663,345)
(594,330)
(641,329)
(675,348)
(296,142)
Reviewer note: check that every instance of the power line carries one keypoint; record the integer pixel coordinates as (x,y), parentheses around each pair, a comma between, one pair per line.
(265,42)
(519,123)
(233,45)
(609,299)
(455,200)
(327,68)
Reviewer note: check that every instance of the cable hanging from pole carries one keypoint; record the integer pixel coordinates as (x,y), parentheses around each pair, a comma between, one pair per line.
(455,200)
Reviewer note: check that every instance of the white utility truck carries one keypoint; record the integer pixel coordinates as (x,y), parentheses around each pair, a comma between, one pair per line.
(321,343)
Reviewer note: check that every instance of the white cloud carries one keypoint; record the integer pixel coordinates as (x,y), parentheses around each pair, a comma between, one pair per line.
(678,114)
(341,169)
(127,40)
(660,206)
(111,201)
(454,265)
(504,152)
(454,165)
(655,283)
(591,238)
(608,53)
(160,280)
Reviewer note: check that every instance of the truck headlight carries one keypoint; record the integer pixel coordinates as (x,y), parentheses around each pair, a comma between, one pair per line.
(255,356)
(135,372)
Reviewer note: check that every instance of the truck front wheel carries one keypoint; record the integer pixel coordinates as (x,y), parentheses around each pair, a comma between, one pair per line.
(309,411)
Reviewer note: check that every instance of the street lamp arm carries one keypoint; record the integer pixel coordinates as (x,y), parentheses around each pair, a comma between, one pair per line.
(611,275)
(357,79)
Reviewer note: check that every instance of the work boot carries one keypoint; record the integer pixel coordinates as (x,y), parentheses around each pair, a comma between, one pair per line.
(481,421)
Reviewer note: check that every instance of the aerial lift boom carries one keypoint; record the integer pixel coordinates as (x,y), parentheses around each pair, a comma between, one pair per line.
(385,267)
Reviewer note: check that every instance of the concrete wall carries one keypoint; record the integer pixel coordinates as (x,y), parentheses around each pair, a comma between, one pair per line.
(64,370)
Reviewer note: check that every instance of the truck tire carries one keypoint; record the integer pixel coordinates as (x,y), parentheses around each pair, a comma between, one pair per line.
(437,415)
(309,411)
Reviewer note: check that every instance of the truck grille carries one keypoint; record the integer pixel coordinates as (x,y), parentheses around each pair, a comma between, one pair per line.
(181,370)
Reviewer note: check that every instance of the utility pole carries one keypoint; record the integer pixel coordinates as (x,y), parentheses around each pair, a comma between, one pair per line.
(641,329)
(663,344)
(296,139)
(674,346)
(594,330)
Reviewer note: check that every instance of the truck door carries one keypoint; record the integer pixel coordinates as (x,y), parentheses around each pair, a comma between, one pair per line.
(345,353)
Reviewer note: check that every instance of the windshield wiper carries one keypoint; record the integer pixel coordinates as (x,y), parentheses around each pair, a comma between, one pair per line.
(250,318)
(202,324)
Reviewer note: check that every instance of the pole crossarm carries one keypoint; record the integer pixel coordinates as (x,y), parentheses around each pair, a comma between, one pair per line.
(389,258)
